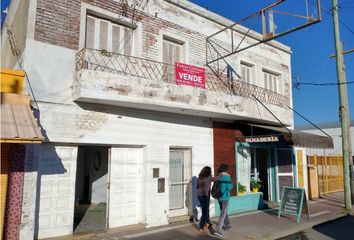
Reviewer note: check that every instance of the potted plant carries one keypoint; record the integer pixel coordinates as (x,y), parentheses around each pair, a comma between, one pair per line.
(255,186)
(241,188)
(105,53)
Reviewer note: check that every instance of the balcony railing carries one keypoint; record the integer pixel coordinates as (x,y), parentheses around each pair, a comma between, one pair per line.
(101,60)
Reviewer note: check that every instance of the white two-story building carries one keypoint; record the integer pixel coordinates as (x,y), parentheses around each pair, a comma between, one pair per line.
(123,137)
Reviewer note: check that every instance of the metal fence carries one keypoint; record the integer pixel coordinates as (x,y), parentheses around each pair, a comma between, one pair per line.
(102,60)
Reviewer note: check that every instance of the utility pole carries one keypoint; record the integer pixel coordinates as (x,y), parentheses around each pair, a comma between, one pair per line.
(343,108)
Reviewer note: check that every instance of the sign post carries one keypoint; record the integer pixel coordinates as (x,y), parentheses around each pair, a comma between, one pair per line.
(292,203)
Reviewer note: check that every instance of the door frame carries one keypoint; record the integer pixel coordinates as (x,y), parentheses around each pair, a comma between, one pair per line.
(187,181)
(273,183)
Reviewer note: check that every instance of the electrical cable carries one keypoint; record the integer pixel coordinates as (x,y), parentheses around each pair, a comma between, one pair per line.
(296,84)
(16,53)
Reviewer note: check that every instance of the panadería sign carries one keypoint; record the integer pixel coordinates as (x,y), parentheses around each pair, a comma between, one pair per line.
(261,139)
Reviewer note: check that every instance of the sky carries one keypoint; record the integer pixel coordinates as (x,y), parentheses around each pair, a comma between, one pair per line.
(4,5)
(311,49)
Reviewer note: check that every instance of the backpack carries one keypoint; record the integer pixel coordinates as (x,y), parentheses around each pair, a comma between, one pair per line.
(216,189)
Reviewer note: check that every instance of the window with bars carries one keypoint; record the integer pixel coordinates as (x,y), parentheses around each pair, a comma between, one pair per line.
(108,35)
(172,53)
(247,73)
(273,82)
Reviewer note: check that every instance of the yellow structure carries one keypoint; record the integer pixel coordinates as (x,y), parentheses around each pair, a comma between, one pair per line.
(12,80)
(11,90)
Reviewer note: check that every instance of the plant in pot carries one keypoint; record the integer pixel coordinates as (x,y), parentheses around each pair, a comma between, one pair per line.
(255,186)
(241,188)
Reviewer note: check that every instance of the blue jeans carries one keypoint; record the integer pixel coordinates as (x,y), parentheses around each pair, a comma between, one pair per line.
(204,203)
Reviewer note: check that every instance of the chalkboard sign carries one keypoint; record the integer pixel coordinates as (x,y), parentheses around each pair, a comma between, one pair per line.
(292,202)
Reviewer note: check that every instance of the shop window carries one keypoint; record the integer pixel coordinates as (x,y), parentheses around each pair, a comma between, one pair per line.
(108,35)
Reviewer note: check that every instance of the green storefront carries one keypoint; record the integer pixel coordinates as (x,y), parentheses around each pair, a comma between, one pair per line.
(265,155)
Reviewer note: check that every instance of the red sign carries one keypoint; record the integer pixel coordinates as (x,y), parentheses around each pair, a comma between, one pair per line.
(190,75)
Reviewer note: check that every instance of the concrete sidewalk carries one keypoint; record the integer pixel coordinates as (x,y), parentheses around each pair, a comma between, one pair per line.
(255,225)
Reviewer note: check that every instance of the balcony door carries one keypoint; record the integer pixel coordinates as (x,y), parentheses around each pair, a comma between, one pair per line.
(106,35)
(109,45)
(172,53)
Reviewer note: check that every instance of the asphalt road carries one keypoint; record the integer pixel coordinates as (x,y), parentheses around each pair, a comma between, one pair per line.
(341,229)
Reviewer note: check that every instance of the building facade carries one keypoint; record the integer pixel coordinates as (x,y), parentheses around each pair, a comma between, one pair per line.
(122,137)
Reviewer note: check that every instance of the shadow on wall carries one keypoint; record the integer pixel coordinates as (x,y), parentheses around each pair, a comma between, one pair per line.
(48,163)
(192,201)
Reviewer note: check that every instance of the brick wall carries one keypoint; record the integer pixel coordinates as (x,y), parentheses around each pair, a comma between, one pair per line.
(58,23)
(224,149)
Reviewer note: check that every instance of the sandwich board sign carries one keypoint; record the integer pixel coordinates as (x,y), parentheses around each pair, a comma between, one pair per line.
(294,203)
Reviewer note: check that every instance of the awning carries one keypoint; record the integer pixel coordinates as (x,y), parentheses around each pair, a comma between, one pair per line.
(18,125)
(301,139)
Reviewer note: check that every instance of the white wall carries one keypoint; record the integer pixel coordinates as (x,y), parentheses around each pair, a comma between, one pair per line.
(129,127)
(51,70)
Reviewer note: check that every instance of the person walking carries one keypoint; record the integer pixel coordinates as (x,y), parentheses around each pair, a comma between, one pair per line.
(203,185)
(225,188)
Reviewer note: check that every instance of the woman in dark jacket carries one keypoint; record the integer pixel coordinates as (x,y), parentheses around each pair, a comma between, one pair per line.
(203,185)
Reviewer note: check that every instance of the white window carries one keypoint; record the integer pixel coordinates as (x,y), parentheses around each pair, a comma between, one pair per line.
(247,73)
(273,82)
(107,35)
(172,53)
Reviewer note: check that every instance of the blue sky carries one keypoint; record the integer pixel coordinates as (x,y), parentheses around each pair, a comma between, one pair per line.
(4,4)
(311,48)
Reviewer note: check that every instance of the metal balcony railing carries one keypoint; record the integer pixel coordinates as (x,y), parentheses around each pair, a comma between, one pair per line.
(101,60)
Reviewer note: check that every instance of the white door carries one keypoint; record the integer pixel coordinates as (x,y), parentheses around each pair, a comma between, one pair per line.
(56,172)
(180,177)
(125,186)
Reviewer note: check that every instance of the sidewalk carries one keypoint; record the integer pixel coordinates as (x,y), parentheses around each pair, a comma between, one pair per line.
(251,226)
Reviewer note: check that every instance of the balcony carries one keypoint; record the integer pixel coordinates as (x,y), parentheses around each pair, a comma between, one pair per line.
(120,80)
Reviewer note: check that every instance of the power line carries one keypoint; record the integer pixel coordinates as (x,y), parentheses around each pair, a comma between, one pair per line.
(16,52)
(297,84)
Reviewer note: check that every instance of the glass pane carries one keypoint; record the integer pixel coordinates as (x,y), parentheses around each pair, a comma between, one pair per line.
(103,37)
(115,39)
(90,33)
(244,165)
(176,180)
(128,41)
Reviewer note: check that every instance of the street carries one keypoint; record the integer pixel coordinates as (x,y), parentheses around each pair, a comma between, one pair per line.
(342,229)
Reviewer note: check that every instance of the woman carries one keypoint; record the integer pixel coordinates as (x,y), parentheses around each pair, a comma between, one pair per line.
(226,187)
(203,185)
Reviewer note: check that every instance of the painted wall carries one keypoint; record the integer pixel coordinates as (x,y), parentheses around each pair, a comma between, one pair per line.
(51,71)
(128,127)
(224,149)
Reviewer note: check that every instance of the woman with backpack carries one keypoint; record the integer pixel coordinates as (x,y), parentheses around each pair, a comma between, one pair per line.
(203,185)
(225,189)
